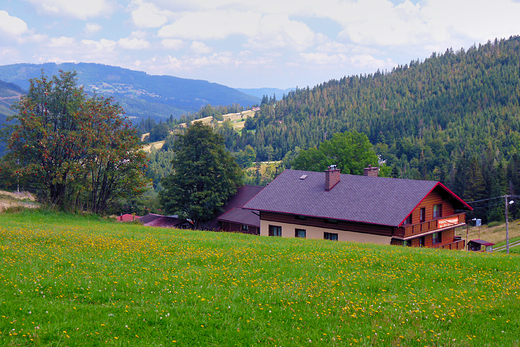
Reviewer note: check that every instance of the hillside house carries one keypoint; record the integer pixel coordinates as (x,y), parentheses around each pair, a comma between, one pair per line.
(233,217)
(334,206)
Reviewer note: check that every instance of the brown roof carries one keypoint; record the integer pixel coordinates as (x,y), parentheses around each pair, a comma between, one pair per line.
(166,222)
(482,242)
(239,215)
(149,217)
(373,200)
(243,195)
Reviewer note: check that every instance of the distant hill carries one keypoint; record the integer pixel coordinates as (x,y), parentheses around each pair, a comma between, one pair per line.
(140,94)
(9,93)
(260,92)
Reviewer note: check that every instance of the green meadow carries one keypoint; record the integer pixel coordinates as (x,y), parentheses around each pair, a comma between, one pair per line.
(69,280)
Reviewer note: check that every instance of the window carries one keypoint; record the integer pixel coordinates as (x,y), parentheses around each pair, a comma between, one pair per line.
(421,241)
(275,230)
(300,217)
(331,221)
(408,220)
(300,233)
(422,215)
(437,211)
(330,236)
(245,227)
(407,243)
(436,238)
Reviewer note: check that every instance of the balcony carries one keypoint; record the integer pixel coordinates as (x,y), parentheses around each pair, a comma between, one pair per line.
(409,230)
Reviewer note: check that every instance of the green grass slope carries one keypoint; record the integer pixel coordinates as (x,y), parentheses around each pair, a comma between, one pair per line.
(67,280)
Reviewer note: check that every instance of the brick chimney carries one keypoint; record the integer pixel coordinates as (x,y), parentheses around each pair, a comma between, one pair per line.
(371,171)
(332,175)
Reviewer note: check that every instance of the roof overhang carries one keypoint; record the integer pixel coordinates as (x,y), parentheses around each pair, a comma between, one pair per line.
(482,242)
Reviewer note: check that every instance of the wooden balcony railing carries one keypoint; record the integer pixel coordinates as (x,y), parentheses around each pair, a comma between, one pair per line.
(432,225)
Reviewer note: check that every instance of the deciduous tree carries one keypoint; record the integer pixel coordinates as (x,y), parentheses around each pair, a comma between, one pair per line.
(350,151)
(205,175)
(71,150)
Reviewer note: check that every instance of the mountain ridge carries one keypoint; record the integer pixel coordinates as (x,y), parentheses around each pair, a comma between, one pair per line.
(141,95)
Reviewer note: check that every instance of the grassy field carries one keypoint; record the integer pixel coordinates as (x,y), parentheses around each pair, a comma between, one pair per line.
(157,145)
(82,281)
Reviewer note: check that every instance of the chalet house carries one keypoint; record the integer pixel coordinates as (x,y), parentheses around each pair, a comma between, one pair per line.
(334,206)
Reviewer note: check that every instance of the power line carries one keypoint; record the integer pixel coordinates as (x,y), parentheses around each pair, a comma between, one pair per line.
(496,197)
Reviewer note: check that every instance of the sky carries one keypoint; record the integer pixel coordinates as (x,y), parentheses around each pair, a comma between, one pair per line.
(249,43)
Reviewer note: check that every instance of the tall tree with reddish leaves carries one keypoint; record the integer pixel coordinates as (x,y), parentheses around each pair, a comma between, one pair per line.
(71,150)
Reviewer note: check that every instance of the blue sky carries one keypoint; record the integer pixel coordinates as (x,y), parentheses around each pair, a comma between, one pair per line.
(249,43)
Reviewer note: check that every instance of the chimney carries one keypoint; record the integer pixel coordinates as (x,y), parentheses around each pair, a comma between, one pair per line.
(331,177)
(371,171)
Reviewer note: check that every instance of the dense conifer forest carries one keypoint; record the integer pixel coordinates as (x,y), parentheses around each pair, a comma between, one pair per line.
(454,117)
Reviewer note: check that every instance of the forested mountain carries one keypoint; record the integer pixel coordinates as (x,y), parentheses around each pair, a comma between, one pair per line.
(454,117)
(140,94)
(9,93)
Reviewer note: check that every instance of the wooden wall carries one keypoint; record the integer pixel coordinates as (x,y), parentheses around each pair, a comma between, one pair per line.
(434,198)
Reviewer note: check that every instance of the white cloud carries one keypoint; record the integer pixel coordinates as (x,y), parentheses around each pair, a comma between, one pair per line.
(61,42)
(9,55)
(92,28)
(102,45)
(147,15)
(175,44)
(333,47)
(280,31)
(77,8)
(441,23)
(262,31)
(361,61)
(212,25)
(199,48)
(368,62)
(320,58)
(490,19)
(11,26)
(133,43)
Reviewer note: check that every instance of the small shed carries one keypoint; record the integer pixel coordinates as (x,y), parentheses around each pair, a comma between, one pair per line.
(480,246)
(127,217)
